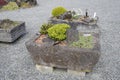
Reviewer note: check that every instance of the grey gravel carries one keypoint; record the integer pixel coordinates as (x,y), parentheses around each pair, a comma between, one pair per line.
(16,63)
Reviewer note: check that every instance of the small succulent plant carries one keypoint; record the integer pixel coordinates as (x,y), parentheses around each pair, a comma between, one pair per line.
(45,27)
(83,42)
(58,32)
(58,11)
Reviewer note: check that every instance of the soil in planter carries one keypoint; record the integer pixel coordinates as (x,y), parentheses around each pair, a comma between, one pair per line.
(8,24)
(44,38)
(39,40)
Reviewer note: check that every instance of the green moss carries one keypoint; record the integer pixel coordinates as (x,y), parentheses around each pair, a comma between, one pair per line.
(10,6)
(75,17)
(6,23)
(58,11)
(83,42)
(45,27)
(58,32)
(25,5)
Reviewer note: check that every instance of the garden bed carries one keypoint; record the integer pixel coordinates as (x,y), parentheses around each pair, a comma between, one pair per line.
(11,30)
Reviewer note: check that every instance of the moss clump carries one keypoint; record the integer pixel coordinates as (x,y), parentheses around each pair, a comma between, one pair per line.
(83,42)
(6,24)
(10,6)
(58,11)
(45,27)
(25,5)
(58,32)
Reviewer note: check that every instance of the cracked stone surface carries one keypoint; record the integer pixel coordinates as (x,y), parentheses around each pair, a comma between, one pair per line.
(16,63)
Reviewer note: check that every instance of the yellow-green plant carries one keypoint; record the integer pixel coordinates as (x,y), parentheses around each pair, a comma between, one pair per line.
(10,6)
(45,27)
(58,32)
(58,11)
(83,42)
(25,5)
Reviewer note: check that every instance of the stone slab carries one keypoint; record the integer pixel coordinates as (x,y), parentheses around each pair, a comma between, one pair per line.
(12,34)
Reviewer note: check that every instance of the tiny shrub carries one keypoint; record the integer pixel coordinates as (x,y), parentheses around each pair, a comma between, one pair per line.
(58,32)
(45,27)
(58,11)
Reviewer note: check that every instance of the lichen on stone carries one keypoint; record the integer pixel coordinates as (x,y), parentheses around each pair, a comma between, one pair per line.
(6,24)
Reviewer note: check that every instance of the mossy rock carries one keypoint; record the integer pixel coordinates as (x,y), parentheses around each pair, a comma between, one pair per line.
(7,24)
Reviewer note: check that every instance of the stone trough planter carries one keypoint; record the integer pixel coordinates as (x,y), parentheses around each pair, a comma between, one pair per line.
(68,57)
(12,32)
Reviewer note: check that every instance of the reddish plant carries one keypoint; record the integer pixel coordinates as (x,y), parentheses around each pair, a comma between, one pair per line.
(2,2)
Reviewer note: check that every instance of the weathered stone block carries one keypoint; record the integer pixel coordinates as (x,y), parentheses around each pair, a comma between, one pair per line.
(11,34)
(71,58)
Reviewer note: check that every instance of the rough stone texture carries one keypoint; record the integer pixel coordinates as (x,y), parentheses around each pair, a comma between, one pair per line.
(16,63)
(71,58)
(73,35)
(80,26)
(11,35)
(71,23)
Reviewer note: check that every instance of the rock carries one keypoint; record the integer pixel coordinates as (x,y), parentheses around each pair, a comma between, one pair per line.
(48,40)
(66,15)
(71,58)
(72,35)
(12,33)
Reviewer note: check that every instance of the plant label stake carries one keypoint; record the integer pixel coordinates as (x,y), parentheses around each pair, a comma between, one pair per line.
(86,13)
(94,15)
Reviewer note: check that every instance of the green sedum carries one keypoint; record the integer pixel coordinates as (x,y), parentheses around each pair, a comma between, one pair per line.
(58,32)
(83,42)
(58,11)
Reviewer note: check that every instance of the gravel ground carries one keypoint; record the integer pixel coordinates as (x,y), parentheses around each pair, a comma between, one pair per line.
(15,61)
